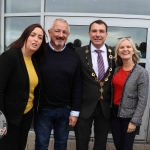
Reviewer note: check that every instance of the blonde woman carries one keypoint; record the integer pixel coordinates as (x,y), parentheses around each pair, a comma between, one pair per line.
(130,92)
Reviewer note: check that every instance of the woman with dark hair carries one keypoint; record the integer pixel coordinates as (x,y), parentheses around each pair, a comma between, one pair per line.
(130,93)
(20,85)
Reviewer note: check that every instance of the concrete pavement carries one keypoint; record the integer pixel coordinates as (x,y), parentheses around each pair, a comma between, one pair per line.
(71,144)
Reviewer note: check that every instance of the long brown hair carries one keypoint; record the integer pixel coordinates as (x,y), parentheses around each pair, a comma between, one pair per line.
(40,54)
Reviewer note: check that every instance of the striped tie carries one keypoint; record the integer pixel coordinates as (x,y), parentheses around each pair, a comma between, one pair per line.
(100,64)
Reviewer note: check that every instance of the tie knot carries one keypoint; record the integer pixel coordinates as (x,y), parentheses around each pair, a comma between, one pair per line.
(98,51)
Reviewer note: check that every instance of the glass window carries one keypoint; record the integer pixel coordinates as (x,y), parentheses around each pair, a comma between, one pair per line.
(138,35)
(0,29)
(14,26)
(0,45)
(79,32)
(21,6)
(142,64)
(0,49)
(136,7)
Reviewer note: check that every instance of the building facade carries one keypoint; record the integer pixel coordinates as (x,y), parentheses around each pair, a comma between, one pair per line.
(128,18)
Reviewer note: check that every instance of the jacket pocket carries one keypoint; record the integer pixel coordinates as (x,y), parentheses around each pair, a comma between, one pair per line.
(132,96)
(131,101)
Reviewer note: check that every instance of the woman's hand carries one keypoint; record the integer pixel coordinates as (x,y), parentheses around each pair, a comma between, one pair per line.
(131,127)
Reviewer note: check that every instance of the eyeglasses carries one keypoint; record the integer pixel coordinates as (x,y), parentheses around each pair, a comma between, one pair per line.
(128,37)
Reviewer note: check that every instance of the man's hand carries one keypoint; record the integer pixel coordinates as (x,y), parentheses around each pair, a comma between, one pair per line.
(72,120)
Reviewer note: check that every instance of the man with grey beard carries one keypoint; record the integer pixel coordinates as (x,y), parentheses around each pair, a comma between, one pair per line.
(61,90)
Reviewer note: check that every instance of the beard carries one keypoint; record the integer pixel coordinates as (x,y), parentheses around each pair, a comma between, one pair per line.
(59,44)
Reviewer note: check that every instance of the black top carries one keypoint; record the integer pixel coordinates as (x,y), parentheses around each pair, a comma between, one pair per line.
(61,79)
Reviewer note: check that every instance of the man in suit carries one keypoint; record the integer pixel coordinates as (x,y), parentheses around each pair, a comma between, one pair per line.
(96,94)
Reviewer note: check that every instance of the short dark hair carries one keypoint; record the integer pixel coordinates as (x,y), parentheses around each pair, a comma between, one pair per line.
(77,43)
(24,36)
(98,22)
(70,45)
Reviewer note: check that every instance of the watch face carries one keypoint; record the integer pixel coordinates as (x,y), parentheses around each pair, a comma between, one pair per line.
(3,125)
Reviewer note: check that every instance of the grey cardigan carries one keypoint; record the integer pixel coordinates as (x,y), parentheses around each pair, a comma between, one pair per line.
(135,94)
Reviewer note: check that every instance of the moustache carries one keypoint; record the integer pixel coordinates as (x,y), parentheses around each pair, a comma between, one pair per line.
(60,38)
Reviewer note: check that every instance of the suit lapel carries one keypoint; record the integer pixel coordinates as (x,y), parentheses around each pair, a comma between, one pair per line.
(108,59)
(110,64)
(89,56)
(89,64)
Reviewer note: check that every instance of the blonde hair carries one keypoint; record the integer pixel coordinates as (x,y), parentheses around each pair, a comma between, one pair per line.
(135,57)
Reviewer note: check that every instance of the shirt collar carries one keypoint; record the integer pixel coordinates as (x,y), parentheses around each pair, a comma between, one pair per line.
(56,50)
(93,48)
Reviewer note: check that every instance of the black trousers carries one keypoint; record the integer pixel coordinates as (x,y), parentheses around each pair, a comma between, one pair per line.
(16,137)
(101,128)
(119,126)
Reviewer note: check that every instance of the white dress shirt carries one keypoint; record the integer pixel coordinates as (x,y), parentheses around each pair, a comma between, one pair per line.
(94,58)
